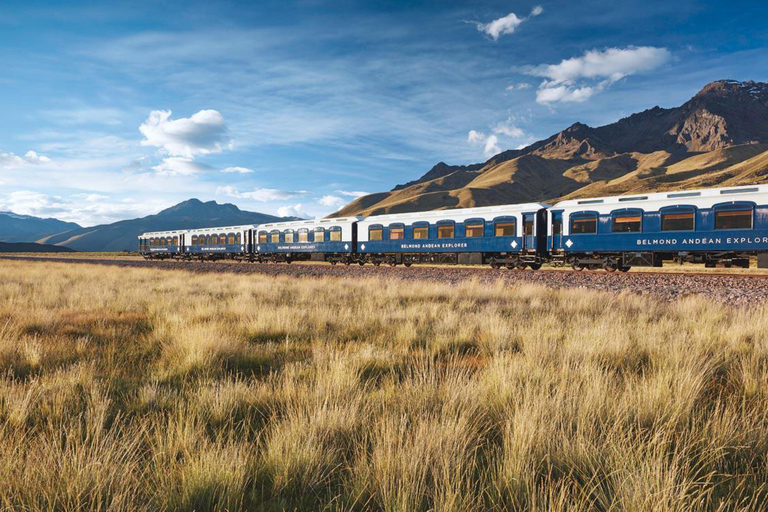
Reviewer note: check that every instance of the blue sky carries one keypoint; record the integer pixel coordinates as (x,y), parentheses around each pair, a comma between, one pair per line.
(297,107)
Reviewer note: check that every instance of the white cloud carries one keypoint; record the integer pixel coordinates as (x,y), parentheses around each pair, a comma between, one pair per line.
(291,211)
(240,170)
(262,195)
(331,201)
(508,129)
(10,160)
(490,143)
(201,134)
(579,78)
(474,137)
(507,24)
(519,86)
(85,209)
(352,193)
(179,166)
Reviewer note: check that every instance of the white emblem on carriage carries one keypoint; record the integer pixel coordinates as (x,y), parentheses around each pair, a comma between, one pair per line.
(568,243)
(514,243)
(346,247)
(362,247)
(258,247)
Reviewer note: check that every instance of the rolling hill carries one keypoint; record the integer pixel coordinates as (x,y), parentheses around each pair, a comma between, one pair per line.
(123,235)
(25,228)
(31,247)
(717,138)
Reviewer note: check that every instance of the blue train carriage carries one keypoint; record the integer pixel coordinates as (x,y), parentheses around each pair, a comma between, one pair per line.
(720,226)
(219,243)
(331,240)
(162,244)
(513,236)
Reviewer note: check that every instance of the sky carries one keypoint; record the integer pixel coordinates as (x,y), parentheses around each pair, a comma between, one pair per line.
(115,110)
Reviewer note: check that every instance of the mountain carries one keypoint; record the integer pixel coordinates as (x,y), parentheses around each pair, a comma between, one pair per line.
(25,228)
(31,247)
(717,138)
(123,235)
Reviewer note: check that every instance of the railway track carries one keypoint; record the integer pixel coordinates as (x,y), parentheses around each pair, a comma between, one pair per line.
(731,289)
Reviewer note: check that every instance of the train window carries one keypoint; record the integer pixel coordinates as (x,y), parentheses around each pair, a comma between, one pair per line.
(444,231)
(631,224)
(374,234)
(175,240)
(194,239)
(421,233)
(237,239)
(274,238)
(319,234)
(262,237)
(231,239)
(335,235)
(474,230)
(505,229)
(396,233)
(677,221)
(583,225)
(289,236)
(303,235)
(733,219)
(223,239)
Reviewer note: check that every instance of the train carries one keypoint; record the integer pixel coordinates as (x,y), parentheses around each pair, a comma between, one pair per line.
(715,227)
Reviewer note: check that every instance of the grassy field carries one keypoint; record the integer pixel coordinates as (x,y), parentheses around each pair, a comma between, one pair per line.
(139,389)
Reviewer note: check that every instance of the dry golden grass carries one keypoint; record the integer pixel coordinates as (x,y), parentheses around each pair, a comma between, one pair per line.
(138,389)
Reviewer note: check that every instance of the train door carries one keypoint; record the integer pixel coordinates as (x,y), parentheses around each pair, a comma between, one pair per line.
(529,231)
(557,230)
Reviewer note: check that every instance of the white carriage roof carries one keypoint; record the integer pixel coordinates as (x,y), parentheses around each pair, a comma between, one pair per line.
(164,233)
(457,214)
(699,197)
(312,223)
(221,229)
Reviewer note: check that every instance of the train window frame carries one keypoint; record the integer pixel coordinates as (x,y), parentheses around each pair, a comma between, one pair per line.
(302,235)
(446,230)
(238,239)
(231,239)
(678,210)
(289,236)
(176,240)
(422,228)
(375,233)
(263,236)
(318,231)
(397,232)
(194,239)
(272,235)
(582,217)
(214,239)
(472,225)
(627,217)
(733,210)
(501,225)
(334,234)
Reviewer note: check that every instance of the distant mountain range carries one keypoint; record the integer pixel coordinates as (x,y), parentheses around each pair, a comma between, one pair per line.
(25,228)
(717,138)
(123,235)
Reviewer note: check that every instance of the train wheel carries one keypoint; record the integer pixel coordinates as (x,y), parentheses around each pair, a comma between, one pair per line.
(408,264)
(495,264)
(610,267)
(361,263)
(376,263)
(535,266)
(334,262)
(624,269)
(577,266)
(520,265)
